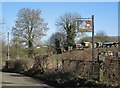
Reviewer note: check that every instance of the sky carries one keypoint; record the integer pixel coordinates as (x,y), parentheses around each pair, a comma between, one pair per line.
(60,0)
(119,19)
(105,14)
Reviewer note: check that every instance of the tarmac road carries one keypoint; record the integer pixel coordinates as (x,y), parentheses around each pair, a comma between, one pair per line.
(14,80)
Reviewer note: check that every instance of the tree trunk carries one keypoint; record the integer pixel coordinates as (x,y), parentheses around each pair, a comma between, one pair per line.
(30,52)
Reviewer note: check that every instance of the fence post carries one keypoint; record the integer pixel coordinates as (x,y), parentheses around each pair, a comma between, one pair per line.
(101,72)
(101,60)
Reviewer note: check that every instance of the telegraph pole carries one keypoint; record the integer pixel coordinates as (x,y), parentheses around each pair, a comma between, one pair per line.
(8,50)
(1,50)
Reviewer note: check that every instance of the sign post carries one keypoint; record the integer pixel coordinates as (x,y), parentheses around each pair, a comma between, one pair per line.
(87,25)
(93,62)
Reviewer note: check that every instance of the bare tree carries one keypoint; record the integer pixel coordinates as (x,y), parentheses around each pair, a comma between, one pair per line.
(29,26)
(56,41)
(67,23)
(101,33)
(101,36)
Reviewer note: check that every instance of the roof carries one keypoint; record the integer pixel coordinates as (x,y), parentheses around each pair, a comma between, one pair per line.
(108,42)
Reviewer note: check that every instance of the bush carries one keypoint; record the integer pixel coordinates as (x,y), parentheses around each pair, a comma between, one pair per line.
(19,66)
(9,66)
(40,62)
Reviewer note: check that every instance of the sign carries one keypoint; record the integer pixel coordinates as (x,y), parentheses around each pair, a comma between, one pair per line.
(85,26)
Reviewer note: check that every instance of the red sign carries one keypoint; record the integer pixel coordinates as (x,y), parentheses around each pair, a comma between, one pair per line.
(85,26)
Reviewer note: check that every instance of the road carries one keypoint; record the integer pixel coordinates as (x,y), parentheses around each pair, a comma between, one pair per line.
(13,80)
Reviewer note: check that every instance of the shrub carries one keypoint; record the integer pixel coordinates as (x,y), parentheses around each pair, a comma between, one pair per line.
(9,66)
(19,65)
(40,61)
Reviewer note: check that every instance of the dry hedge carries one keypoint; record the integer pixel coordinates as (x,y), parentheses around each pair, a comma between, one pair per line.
(18,65)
